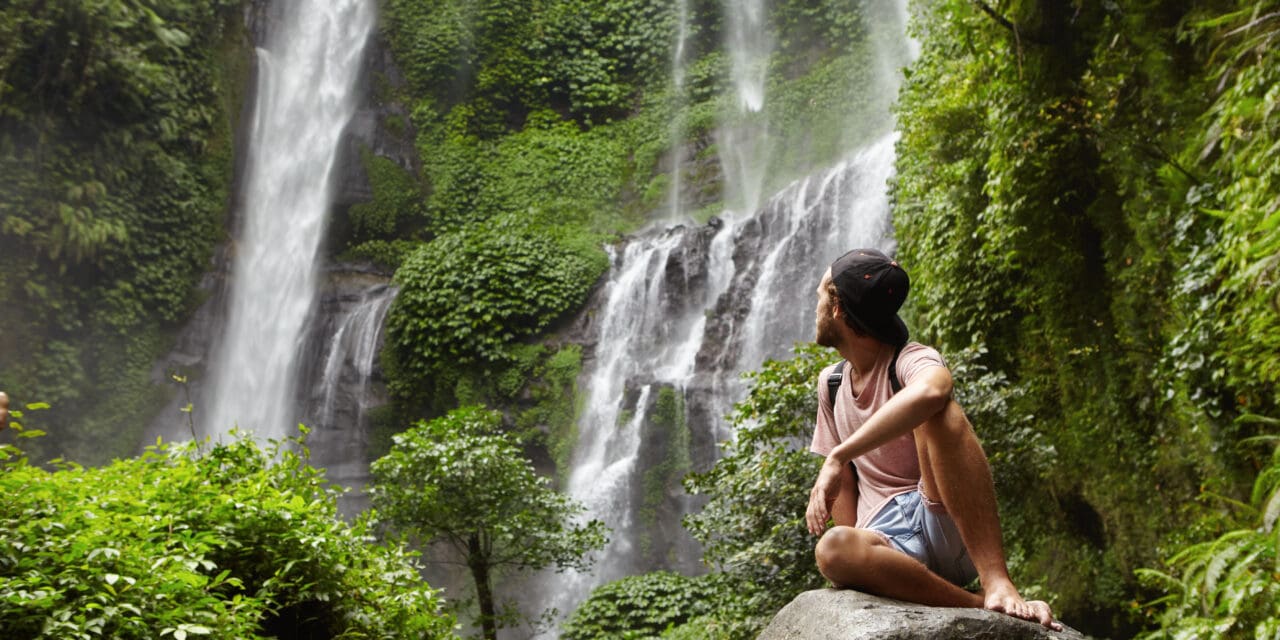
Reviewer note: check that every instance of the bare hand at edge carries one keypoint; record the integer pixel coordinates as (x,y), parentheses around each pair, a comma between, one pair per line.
(823,495)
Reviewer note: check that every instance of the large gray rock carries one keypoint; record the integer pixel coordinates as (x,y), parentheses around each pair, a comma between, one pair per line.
(831,614)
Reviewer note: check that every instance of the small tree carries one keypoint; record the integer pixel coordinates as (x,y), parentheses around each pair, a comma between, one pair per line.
(752,527)
(459,480)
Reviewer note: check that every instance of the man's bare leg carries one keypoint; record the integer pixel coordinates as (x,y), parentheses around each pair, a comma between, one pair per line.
(862,560)
(961,480)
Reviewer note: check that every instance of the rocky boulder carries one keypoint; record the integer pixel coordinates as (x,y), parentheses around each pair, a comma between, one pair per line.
(831,614)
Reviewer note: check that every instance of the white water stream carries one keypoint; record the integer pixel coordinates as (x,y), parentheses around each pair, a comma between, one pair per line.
(675,203)
(307,73)
(690,308)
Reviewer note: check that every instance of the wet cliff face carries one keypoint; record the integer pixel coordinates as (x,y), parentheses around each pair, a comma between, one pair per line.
(368,130)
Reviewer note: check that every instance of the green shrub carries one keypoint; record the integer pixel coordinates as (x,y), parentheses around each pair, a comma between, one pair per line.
(1228,587)
(467,297)
(396,201)
(752,527)
(641,606)
(238,541)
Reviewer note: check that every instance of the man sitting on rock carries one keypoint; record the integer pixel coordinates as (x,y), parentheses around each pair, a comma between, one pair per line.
(905,479)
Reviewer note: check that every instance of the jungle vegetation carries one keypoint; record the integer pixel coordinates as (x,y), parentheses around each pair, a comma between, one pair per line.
(1086,198)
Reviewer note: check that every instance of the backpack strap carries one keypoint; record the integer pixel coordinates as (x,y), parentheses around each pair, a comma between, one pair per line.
(894,385)
(836,378)
(833,384)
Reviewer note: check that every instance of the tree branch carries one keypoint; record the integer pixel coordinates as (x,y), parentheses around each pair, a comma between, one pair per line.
(1006,23)
(986,8)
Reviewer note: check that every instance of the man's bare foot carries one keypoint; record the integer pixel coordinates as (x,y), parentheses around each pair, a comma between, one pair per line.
(1004,598)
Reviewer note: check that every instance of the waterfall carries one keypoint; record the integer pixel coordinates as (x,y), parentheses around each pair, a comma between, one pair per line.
(353,350)
(812,222)
(675,203)
(687,309)
(345,388)
(743,135)
(307,74)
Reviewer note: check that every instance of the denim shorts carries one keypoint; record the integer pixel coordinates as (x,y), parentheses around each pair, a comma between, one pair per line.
(924,531)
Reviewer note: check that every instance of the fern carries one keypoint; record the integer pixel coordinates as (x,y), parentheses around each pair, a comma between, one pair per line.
(1228,587)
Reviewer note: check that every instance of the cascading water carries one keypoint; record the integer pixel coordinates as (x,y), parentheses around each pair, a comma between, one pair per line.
(809,224)
(744,132)
(352,352)
(345,386)
(675,204)
(687,309)
(637,351)
(307,74)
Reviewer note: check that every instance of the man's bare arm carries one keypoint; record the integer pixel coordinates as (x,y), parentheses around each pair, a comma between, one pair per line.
(926,395)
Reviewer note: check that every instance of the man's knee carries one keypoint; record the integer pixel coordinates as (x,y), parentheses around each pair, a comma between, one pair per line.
(842,553)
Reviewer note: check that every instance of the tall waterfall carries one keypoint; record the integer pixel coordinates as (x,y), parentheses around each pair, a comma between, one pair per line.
(744,132)
(307,73)
(675,203)
(687,309)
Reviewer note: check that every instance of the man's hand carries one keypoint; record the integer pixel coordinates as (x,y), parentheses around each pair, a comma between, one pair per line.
(822,497)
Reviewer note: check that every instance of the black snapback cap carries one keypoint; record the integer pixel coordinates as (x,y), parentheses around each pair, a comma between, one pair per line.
(872,288)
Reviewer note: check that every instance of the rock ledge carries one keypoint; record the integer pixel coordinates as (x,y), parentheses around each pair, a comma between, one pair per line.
(840,614)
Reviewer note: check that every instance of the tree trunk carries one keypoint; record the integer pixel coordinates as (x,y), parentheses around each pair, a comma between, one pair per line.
(479,563)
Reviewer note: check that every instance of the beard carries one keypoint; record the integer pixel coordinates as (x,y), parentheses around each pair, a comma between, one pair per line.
(826,334)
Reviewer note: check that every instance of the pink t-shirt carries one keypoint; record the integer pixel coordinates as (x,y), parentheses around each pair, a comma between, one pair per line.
(893,468)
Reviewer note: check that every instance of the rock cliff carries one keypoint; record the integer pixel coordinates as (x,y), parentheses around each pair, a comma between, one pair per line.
(831,614)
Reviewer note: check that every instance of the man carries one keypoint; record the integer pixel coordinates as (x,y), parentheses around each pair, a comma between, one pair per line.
(905,479)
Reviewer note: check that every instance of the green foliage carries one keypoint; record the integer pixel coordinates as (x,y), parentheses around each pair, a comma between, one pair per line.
(550,165)
(1227,587)
(460,481)
(641,606)
(553,387)
(466,298)
(502,60)
(752,528)
(395,204)
(234,542)
(1078,197)
(1237,144)
(115,143)
(671,439)
(388,253)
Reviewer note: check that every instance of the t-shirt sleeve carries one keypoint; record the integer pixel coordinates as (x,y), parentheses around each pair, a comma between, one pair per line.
(914,359)
(825,437)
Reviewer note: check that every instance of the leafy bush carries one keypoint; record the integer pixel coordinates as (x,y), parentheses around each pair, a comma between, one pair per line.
(752,527)
(395,204)
(467,297)
(1227,587)
(1237,140)
(641,606)
(237,541)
